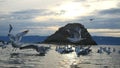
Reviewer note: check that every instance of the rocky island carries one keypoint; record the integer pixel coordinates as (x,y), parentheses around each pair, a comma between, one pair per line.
(72,33)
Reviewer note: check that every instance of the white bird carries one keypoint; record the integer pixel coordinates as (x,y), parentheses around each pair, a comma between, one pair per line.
(104,49)
(76,36)
(83,51)
(15,39)
(108,51)
(100,50)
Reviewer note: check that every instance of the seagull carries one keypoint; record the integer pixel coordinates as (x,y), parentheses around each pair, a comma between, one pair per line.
(104,49)
(100,50)
(83,51)
(15,39)
(60,49)
(108,51)
(76,36)
(65,49)
(91,19)
(41,49)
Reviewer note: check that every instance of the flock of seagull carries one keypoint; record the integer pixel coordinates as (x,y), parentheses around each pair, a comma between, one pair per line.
(15,41)
(107,50)
(79,50)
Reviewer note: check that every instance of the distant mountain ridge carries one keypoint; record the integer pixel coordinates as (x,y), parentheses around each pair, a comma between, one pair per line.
(100,40)
(105,40)
(27,39)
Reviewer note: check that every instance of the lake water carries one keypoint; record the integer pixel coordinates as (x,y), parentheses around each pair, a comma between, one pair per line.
(29,59)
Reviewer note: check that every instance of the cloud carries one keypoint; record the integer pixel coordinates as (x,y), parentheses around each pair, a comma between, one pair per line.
(111,11)
(118,4)
(41,30)
(30,11)
(79,0)
(40,17)
(30,15)
(2,1)
(105,32)
(40,12)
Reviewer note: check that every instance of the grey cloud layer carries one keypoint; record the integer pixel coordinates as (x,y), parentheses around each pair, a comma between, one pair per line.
(29,14)
(111,11)
(104,19)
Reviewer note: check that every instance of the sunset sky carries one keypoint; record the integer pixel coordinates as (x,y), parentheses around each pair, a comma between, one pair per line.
(44,17)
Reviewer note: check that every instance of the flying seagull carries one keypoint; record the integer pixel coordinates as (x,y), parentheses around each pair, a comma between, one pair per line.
(77,35)
(15,39)
(91,19)
(41,49)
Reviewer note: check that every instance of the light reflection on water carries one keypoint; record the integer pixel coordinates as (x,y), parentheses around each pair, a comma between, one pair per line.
(29,59)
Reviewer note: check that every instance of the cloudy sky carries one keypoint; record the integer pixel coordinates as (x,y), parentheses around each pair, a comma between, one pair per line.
(44,17)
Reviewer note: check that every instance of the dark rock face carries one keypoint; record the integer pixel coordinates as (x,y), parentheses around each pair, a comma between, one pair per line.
(72,33)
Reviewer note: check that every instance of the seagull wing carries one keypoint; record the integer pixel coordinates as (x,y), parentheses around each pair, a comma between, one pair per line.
(76,35)
(80,34)
(29,47)
(10,28)
(11,37)
(19,36)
